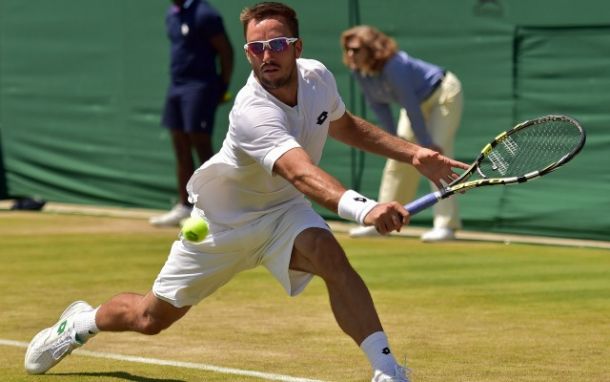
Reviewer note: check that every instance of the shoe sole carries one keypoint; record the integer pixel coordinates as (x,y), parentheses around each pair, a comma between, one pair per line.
(27,353)
(69,310)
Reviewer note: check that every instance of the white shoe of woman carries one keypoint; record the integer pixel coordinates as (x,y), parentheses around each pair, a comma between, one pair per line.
(438,234)
(364,231)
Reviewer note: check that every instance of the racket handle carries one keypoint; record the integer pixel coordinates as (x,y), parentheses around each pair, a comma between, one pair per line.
(422,203)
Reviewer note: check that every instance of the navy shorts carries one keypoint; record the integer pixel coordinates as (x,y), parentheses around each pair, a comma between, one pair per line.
(191,108)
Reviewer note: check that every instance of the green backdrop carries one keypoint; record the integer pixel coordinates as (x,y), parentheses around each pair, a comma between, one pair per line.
(82,86)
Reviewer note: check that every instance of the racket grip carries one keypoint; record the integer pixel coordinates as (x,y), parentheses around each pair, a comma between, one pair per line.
(422,203)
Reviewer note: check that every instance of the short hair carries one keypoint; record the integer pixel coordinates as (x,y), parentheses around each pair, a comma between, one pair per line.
(379,46)
(268,9)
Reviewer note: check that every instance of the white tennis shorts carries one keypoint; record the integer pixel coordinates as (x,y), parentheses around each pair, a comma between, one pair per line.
(193,271)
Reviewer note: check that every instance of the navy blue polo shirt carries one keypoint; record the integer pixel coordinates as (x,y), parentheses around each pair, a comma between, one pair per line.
(189,29)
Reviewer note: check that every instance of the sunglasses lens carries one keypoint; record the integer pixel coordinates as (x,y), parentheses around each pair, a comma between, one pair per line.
(256,47)
(278,44)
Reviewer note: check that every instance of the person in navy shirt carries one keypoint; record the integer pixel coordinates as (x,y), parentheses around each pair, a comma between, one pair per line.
(430,99)
(197,41)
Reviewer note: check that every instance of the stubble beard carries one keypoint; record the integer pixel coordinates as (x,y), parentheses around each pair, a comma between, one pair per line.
(277,83)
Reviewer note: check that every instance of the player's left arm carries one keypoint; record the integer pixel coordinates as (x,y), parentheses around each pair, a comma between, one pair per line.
(357,132)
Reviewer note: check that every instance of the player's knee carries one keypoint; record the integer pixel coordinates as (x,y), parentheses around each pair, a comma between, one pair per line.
(151,325)
(331,261)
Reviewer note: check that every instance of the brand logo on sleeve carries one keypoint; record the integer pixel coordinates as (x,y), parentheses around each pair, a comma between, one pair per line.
(322,117)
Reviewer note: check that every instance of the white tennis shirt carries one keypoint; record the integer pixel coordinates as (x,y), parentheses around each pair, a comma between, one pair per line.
(237,185)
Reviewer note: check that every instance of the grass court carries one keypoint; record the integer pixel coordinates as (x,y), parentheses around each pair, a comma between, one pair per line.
(459,311)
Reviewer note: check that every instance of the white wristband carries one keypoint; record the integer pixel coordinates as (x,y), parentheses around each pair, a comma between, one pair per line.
(354,206)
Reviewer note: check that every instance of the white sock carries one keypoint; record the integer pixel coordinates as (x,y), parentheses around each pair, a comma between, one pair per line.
(377,350)
(84,325)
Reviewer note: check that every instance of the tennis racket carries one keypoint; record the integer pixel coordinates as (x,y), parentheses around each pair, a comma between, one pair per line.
(528,151)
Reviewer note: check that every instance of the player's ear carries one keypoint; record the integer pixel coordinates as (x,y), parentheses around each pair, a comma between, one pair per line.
(298,48)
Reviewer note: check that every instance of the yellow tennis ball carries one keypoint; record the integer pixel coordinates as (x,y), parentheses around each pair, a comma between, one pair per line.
(227,96)
(194,229)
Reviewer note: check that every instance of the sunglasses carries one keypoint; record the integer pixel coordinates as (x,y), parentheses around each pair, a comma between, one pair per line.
(275,45)
(354,50)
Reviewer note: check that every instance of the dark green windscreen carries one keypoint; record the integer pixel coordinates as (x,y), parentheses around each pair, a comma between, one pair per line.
(82,88)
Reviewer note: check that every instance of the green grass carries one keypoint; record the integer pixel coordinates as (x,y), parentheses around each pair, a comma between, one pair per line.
(464,311)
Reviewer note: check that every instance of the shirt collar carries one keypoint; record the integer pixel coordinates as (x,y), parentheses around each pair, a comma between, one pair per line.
(186,4)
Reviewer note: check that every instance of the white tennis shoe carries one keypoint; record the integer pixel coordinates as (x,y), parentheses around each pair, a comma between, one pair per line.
(173,217)
(52,344)
(438,234)
(400,375)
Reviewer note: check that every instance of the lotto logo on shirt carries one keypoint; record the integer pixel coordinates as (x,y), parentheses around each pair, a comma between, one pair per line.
(322,117)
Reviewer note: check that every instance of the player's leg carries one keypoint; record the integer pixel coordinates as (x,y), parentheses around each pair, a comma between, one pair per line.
(317,251)
(300,245)
(79,322)
(190,273)
(146,314)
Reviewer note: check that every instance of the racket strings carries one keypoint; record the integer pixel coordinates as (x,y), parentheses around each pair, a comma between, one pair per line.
(532,148)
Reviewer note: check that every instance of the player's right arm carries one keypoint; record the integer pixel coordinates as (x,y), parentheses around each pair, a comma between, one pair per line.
(296,166)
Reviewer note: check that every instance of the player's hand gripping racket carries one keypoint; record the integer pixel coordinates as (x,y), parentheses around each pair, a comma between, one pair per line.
(527,151)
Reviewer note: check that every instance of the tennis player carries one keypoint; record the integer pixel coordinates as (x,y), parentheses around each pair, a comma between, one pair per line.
(252,193)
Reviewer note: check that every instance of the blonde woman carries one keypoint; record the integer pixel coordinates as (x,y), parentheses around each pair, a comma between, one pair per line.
(431,108)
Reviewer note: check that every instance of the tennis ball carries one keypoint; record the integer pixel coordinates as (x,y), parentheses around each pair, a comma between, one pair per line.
(194,229)
(227,96)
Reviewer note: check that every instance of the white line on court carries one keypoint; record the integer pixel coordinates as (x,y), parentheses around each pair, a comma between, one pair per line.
(186,365)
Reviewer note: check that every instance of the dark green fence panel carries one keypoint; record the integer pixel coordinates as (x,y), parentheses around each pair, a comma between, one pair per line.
(82,87)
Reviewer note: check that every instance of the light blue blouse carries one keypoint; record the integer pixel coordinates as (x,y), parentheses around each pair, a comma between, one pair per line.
(404,80)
